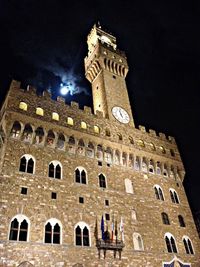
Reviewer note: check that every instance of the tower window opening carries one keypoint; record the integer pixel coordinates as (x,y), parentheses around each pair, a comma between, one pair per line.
(40,111)
(70,121)
(83,125)
(96,129)
(23,106)
(55,116)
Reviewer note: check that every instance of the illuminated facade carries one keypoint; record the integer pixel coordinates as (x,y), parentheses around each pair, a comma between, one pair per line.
(83,189)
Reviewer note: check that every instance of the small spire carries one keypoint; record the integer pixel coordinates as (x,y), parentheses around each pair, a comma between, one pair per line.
(99,25)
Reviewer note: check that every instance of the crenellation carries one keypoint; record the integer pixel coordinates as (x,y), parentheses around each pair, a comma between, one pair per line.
(46,94)
(142,128)
(87,110)
(152,133)
(31,89)
(162,136)
(74,105)
(60,99)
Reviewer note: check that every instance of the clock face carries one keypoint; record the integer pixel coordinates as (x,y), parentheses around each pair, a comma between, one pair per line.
(120,114)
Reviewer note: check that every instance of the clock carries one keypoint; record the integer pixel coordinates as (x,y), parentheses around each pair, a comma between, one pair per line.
(120,114)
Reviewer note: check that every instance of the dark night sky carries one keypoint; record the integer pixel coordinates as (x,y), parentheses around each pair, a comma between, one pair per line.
(44,43)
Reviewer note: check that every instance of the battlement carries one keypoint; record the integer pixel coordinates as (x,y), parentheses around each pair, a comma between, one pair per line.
(159,135)
(86,115)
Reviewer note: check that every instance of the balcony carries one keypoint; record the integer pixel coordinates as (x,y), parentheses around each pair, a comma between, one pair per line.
(115,245)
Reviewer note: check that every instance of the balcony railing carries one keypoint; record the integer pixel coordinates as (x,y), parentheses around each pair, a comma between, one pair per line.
(115,245)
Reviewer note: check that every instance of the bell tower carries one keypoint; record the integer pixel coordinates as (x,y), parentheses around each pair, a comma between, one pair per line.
(106,68)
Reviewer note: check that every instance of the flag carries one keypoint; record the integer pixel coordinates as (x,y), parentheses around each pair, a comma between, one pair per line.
(121,228)
(96,230)
(116,232)
(113,227)
(102,228)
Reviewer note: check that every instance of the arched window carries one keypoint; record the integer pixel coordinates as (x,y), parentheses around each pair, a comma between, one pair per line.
(165,171)
(151,166)
(27,164)
(102,181)
(141,143)
(134,215)
(81,147)
(158,192)
(108,155)
(83,125)
(19,228)
(53,230)
(82,234)
(117,157)
(188,245)
(61,141)
(39,135)
(70,121)
(107,132)
(172,172)
(131,140)
(71,140)
(119,137)
(55,116)
(27,133)
(128,186)
(144,165)
(80,175)
(158,168)
(174,196)
(55,169)
(50,138)
(152,146)
(165,218)
(16,130)
(23,106)
(172,153)
(40,111)
(170,243)
(137,163)
(131,161)
(90,150)
(181,221)
(137,242)
(99,152)
(162,150)
(96,129)
(124,159)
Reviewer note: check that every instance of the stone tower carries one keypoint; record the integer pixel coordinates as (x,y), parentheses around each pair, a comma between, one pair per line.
(87,190)
(106,68)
